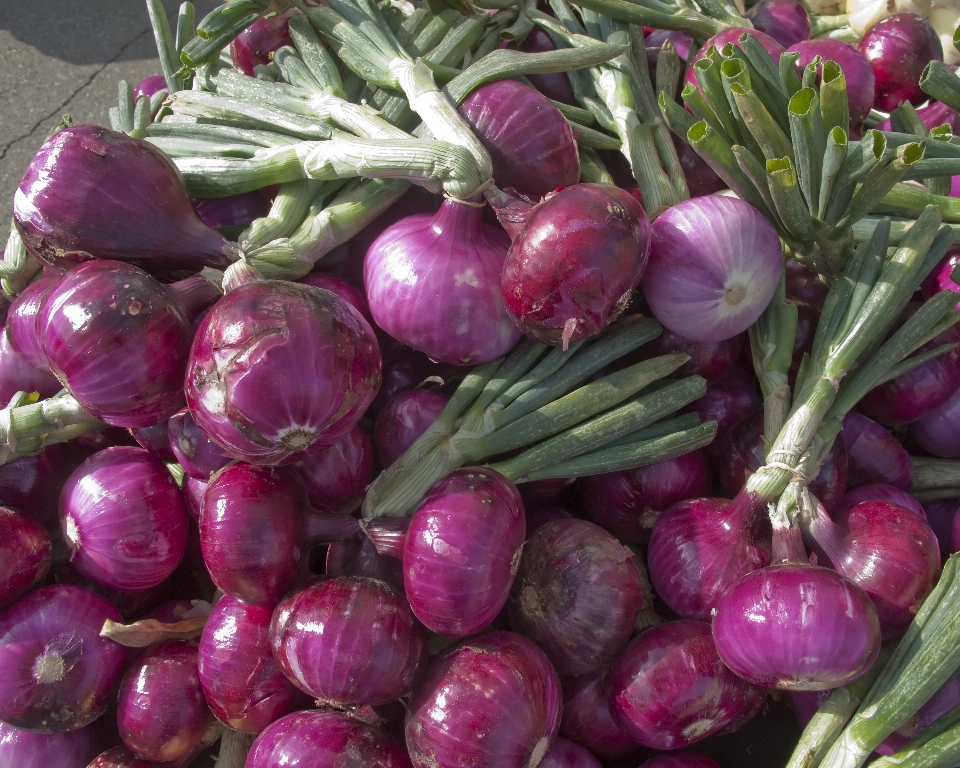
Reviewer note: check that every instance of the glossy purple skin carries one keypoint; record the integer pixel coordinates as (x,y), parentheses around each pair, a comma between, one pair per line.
(898,48)
(21,325)
(938,433)
(433,283)
(730,399)
(577,595)
(462,551)
(700,547)
(242,684)
(786,21)
(531,144)
(149,86)
(233,211)
(315,739)
(681,41)
(348,641)
(669,688)
(814,629)
(857,72)
(587,719)
(118,341)
(554,85)
(490,701)
(880,492)
(710,360)
(403,419)
(154,439)
(568,754)
(874,455)
(193,492)
(731,36)
(627,502)
(32,485)
(25,553)
(938,280)
(17,375)
(314,354)
(349,293)
(358,556)
(889,551)
(680,760)
(24,749)
(123,519)
(576,261)
(92,193)
(255,45)
(161,713)
(199,456)
(337,475)
(59,674)
(715,263)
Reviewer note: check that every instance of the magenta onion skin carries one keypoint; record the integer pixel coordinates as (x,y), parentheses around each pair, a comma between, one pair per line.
(25,749)
(489,701)
(669,689)
(32,485)
(938,433)
(123,519)
(814,629)
(162,714)
(857,72)
(577,595)
(880,492)
(92,193)
(255,45)
(118,341)
(336,476)
(150,85)
(715,263)
(553,85)
(358,556)
(786,21)
(311,353)
(574,264)
(899,48)
(731,36)
(349,293)
(568,754)
(627,503)
(21,325)
(59,674)
(433,282)
(729,399)
(242,684)
(531,144)
(25,553)
(199,456)
(154,439)
(403,419)
(680,760)
(314,739)
(348,641)
(710,360)
(235,211)
(587,720)
(874,455)
(462,551)
(17,375)
(193,492)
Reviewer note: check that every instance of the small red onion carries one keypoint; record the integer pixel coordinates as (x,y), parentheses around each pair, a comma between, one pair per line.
(199,456)
(490,701)
(255,45)
(587,719)
(898,48)
(568,754)
(24,749)
(874,455)
(938,433)
(786,21)
(337,475)
(880,492)
(59,674)
(403,419)
(554,85)
(348,641)
(669,689)
(857,72)
(154,439)
(149,86)
(25,553)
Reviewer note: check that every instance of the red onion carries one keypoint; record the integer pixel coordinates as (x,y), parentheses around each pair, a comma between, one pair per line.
(710,360)
(899,48)
(161,712)
(199,456)
(587,719)
(575,262)
(403,419)
(680,760)
(680,40)
(154,439)
(32,485)
(59,674)
(874,455)
(701,178)
(857,72)
(349,293)
(149,86)
(348,641)
(730,399)
(490,701)
(193,493)
(25,553)
(255,45)
(337,475)
(554,85)
(406,369)
(92,193)
(569,754)
(880,492)
(627,503)
(21,327)
(669,688)
(358,556)
(232,213)
(432,282)
(786,21)
(714,265)
(531,144)
(243,685)
(731,36)
(462,551)
(315,739)
(24,749)
(308,352)
(17,375)
(938,433)
(118,341)
(123,519)
(938,280)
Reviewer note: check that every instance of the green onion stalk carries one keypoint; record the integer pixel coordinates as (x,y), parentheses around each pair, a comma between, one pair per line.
(28,424)
(935,478)
(540,399)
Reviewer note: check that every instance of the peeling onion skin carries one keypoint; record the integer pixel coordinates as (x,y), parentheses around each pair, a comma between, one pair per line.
(669,689)
(490,701)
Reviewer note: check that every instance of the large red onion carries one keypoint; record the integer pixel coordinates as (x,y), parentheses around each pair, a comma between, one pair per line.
(25,553)
(25,749)
(59,674)
(337,475)
(874,455)
(92,193)
(490,701)
(857,73)
(309,354)
(898,48)
(669,688)
(587,719)
(403,419)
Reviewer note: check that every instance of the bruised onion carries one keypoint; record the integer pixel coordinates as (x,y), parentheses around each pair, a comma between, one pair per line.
(898,48)
(25,553)
(335,476)
(403,419)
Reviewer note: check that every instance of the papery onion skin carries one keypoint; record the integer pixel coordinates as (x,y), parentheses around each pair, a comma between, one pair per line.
(92,193)
(123,519)
(118,341)
(348,640)
(25,553)
(462,551)
(796,627)
(490,701)
(59,674)
(310,353)
(313,739)
(242,684)
(669,689)
(254,45)
(857,73)
(403,419)
(874,455)
(587,720)
(336,476)
(25,749)
(715,263)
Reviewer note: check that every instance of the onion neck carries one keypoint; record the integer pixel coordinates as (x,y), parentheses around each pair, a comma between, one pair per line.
(458,219)
(389,535)
(195,294)
(320,527)
(825,536)
(787,541)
